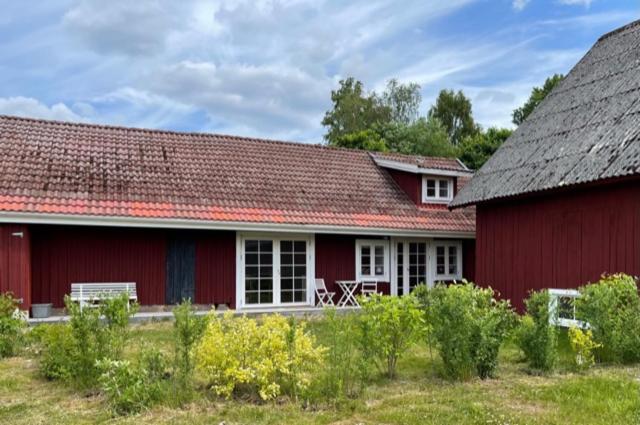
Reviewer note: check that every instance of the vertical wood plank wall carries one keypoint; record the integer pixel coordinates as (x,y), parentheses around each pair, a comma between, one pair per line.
(15,262)
(558,241)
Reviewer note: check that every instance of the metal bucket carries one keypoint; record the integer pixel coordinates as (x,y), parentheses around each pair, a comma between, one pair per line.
(41,311)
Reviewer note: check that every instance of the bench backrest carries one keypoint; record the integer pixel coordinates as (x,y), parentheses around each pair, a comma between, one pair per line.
(95,290)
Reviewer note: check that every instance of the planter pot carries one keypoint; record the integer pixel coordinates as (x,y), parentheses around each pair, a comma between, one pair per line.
(41,311)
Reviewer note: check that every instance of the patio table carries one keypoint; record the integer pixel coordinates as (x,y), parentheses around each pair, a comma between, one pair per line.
(348,288)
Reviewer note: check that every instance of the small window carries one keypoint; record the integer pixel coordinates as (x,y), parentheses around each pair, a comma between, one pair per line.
(372,259)
(437,190)
(448,261)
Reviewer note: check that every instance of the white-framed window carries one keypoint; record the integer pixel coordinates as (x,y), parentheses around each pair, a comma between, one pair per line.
(448,256)
(437,189)
(372,259)
(562,310)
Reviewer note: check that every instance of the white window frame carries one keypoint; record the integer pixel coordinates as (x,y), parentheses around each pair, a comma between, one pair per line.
(372,243)
(447,275)
(437,199)
(276,238)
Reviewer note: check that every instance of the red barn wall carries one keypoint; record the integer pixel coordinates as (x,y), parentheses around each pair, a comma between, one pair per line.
(216,268)
(469,259)
(15,270)
(410,183)
(561,240)
(65,254)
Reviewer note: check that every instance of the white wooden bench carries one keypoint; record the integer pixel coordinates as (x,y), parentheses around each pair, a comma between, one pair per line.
(90,294)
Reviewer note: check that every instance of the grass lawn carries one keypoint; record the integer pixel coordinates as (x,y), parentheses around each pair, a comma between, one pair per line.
(604,395)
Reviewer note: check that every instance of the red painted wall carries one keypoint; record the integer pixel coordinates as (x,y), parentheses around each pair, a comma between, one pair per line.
(469,259)
(561,240)
(216,268)
(410,183)
(15,271)
(65,254)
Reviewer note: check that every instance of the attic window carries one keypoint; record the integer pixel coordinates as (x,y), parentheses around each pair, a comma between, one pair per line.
(437,189)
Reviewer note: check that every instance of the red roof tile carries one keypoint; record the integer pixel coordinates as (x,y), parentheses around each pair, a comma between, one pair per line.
(51,167)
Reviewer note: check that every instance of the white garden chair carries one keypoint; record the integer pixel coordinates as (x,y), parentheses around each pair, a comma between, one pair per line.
(369,287)
(325,298)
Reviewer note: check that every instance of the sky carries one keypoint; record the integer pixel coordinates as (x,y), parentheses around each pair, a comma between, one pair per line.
(266,68)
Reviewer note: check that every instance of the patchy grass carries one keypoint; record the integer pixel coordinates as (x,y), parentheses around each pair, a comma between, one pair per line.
(604,395)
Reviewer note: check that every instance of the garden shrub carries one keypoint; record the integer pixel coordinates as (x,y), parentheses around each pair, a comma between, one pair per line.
(267,358)
(347,360)
(611,306)
(390,325)
(130,387)
(469,325)
(536,335)
(188,329)
(56,352)
(12,325)
(583,345)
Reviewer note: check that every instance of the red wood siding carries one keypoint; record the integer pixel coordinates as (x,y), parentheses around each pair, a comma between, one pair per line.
(15,271)
(410,183)
(65,254)
(559,240)
(469,259)
(216,268)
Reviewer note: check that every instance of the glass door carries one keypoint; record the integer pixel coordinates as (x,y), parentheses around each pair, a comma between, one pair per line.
(411,265)
(293,271)
(258,271)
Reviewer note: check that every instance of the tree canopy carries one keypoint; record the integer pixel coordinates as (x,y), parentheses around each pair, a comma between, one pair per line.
(537,95)
(475,150)
(454,112)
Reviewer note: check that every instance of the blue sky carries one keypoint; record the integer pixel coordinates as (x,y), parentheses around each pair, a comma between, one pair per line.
(266,68)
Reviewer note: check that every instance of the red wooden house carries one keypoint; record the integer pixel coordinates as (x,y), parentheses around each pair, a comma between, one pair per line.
(219,219)
(559,203)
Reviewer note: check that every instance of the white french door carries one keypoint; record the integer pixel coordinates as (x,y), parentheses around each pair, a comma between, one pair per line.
(411,260)
(274,270)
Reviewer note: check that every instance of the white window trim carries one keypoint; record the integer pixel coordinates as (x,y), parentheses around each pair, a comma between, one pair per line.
(311,272)
(372,243)
(437,199)
(447,275)
(554,319)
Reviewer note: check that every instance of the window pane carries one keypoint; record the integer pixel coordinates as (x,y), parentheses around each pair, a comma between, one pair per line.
(266,246)
(266,297)
(440,260)
(251,246)
(300,284)
(300,259)
(300,246)
(286,259)
(431,188)
(252,284)
(266,271)
(286,284)
(444,189)
(251,272)
(453,260)
(252,297)
(299,296)
(286,246)
(266,285)
(286,296)
(379,260)
(294,269)
(365,260)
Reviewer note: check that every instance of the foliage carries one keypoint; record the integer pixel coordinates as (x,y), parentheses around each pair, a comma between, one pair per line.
(353,111)
(131,387)
(270,357)
(475,150)
(12,325)
(403,101)
(454,112)
(536,336)
(426,137)
(391,325)
(611,306)
(57,352)
(537,96)
(468,324)
(582,344)
(368,140)
(347,363)
(188,329)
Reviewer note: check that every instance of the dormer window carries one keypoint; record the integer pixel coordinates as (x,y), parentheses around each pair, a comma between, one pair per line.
(437,189)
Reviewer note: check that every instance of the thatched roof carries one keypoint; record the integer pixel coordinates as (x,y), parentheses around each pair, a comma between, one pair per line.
(587,129)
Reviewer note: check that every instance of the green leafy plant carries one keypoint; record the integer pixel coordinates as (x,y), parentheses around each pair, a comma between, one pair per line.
(132,387)
(583,345)
(12,325)
(468,325)
(188,329)
(57,351)
(391,325)
(267,358)
(536,335)
(611,306)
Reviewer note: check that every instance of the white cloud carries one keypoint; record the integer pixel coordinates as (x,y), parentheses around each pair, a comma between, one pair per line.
(33,108)
(520,4)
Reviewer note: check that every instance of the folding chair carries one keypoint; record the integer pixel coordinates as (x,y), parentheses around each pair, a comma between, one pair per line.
(369,287)
(325,298)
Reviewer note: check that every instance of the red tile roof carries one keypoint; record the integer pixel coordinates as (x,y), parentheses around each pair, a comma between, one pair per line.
(427,162)
(52,167)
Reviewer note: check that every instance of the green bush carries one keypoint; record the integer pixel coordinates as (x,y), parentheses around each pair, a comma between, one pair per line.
(583,345)
(611,306)
(536,336)
(266,358)
(187,330)
(390,325)
(468,325)
(132,387)
(12,325)
(57,351)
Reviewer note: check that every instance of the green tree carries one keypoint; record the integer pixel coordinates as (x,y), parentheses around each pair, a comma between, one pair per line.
(454,111)
(368,140)
(427,137)
(403,101)
(537,95)
(475,150)
(353,111)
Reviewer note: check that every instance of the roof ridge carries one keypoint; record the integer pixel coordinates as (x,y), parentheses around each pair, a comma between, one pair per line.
(618,30)
(195,134)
